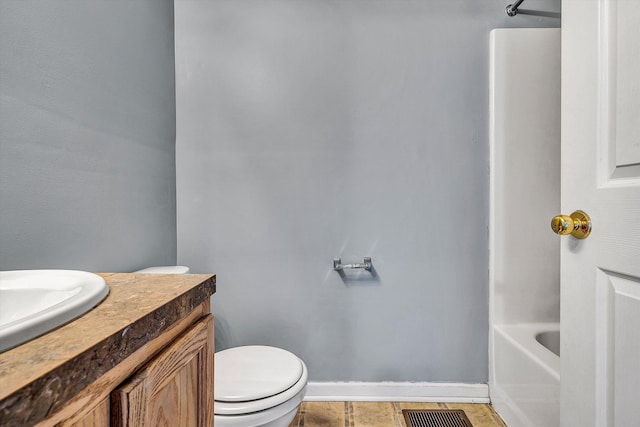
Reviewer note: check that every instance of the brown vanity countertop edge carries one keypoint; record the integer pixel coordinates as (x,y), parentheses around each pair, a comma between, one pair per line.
(37,378)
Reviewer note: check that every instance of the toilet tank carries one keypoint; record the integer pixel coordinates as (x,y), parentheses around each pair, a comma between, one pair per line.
(165,269)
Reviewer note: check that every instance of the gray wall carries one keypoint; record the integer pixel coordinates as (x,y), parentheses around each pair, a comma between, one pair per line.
(87,134)
(308,130)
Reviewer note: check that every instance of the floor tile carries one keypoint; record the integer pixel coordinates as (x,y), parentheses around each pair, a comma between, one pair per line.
(420,405)
(375,414)
(479,415)
(383,414)
(322,414)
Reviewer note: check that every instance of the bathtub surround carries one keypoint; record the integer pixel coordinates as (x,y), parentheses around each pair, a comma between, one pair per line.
(308,131)
(87,131)
(524,278)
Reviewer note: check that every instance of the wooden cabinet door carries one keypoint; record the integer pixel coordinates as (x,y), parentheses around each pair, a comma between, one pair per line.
(97,417)
(175,389)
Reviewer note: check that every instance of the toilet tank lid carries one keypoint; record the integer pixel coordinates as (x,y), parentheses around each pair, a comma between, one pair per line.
(165,269)
(254,372)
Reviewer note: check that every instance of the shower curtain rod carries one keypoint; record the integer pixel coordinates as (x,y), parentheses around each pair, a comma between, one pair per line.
(512,10)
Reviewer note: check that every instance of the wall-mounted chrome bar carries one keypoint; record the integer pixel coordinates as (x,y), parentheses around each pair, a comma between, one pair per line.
(512,9)
(366,264)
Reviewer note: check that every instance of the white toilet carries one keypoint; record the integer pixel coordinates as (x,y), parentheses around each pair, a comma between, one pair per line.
(254,386)
(257,386)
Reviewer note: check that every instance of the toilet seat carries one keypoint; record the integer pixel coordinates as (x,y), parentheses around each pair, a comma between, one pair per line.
(255,378)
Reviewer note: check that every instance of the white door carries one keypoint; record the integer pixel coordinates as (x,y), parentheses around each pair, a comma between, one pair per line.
(600,293)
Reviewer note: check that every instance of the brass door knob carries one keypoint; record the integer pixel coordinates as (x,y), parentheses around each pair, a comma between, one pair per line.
(578,224)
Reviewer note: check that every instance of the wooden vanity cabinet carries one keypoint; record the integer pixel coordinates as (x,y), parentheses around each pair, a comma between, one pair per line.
(98,417)
(142,357)
(174,389)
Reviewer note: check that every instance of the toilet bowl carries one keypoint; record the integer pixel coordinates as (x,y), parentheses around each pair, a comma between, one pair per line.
(257,386)
(254,386)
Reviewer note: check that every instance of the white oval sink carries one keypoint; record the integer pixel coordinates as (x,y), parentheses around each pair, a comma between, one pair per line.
(33,302)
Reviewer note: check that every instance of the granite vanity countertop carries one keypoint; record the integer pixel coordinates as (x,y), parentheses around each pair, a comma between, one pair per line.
(41,375)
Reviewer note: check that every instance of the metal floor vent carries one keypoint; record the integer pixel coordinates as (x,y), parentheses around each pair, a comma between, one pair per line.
(436,418)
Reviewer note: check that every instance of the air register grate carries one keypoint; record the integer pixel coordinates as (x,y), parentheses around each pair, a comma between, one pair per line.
(436,418)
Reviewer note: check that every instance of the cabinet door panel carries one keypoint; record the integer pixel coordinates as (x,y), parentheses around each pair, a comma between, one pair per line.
(98,417)
(173,404)
(175,389)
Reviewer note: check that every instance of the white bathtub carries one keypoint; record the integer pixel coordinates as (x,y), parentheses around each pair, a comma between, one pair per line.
(525,379)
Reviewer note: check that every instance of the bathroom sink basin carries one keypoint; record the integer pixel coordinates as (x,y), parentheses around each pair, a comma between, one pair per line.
(33,302)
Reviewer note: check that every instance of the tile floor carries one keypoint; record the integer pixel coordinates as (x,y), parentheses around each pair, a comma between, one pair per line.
(383,414)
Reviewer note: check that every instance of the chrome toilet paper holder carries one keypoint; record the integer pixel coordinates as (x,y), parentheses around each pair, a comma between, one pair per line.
(365,265)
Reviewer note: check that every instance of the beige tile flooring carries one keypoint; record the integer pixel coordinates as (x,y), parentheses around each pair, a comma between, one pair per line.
(383,414)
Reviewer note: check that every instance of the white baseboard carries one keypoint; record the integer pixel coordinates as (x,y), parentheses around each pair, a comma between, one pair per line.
(397,392)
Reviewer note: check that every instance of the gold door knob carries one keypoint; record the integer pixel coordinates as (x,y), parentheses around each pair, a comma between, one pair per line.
(578,224)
